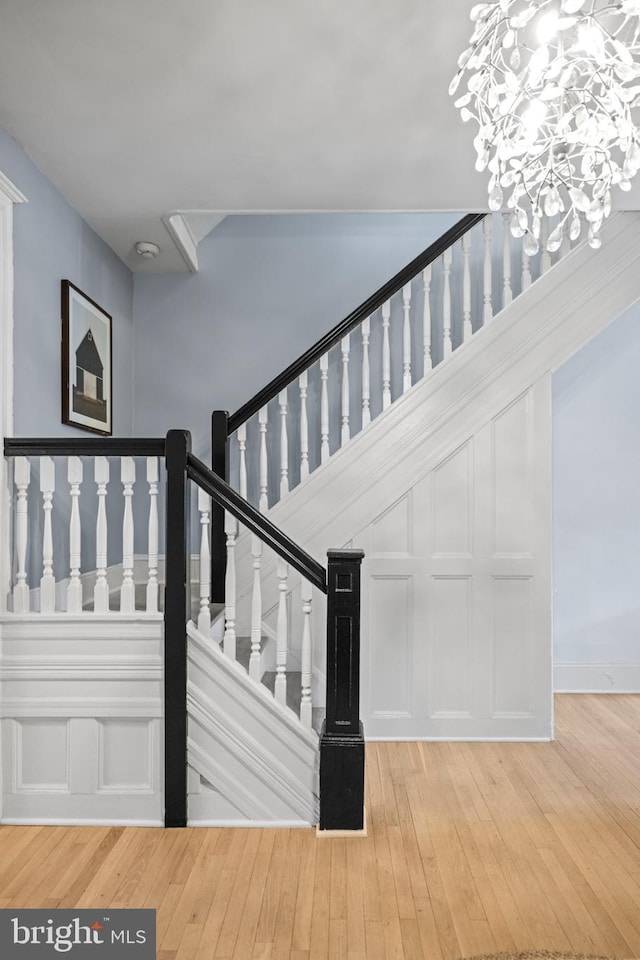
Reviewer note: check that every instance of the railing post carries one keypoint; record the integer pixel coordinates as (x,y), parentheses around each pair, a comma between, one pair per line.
(219,466)
(177,600)
(342,739)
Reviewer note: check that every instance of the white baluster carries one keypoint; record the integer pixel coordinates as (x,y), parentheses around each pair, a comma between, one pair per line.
(204,613)
(101,589)
(426,318)
(304,427)
(152,582)
(507,294)
(386,355)
(282,631)
(366,373)
(256,608)
(545,256)
(74,590)
(306,705)
(467,330)
(262,421)
(242,457)
(406,337)
(47,581)
(22,476)
(128,589)
(345,349)
(446,304)
(487,229)
(526,269)
(284,444)
(229,641)
(324,408)
(565,247)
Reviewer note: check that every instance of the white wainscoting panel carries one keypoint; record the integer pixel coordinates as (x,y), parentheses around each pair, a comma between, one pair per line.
(81,715)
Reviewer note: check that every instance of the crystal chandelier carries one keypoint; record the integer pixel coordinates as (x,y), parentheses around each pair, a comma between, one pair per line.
(553,86)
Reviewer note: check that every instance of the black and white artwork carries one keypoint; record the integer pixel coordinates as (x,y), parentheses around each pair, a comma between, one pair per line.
(86,362)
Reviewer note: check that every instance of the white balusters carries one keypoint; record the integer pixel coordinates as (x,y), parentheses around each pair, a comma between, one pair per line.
(386,356)
(406,337)
(446,304)
(284,444)
(467,330)
(242,458)
(426,318)
(324,408)
(229,641)
(128,589)
(366,373)
(204,613)
(507,295)
(47,581)
(74,589)
(256,608)
(22,475)
(101,589)
(565,247)
(306,704)
(304,426)
(282,632)
(526,269)
(345,349)
(152,582)
(263,503)
(487,227)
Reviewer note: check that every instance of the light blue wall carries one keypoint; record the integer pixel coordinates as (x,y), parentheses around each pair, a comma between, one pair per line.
(52,242)
(596,496)
(268,288)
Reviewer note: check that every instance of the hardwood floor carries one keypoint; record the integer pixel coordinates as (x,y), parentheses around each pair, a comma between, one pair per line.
(472,848)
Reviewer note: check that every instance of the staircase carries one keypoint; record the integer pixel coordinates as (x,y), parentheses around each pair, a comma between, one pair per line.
(419,431)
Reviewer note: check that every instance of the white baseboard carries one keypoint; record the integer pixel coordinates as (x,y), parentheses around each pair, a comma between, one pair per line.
(596,678)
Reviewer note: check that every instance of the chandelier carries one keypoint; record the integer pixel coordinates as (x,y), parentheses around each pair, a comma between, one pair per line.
(553,86)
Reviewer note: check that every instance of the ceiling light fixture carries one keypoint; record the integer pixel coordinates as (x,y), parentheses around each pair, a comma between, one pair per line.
(554,86)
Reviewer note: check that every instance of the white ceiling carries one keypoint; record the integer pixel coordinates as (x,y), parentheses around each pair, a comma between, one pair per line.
(135,109)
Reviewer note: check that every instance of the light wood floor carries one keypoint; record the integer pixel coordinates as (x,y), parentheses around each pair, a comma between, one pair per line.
(472,848)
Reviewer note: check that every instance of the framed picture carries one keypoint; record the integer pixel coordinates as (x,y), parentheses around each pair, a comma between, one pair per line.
(86,362)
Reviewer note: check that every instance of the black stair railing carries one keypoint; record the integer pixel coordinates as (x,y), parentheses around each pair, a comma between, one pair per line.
(342,741)
(223,424)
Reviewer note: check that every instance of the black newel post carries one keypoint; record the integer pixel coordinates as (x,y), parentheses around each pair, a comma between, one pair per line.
(219,466)
(177,593)
(342,739)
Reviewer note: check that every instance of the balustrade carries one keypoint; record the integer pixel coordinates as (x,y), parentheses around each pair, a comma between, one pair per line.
(101,560)
(454,294)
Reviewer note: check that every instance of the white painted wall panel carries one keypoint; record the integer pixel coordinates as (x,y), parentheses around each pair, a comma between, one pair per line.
(450,644)
(513,647)
(390,641)
(452,506)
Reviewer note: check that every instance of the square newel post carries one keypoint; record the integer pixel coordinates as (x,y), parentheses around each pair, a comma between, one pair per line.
(177,598)
(219,466)
(342,738)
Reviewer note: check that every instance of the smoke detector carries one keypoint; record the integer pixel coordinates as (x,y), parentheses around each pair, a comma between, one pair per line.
(147,250)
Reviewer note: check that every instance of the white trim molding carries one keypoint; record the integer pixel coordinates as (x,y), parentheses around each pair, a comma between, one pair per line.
(180,232)
(596,678)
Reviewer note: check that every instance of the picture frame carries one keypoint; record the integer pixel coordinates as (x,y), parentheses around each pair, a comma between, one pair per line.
(86,362)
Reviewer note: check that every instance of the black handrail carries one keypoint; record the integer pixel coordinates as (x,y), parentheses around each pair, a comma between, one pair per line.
(84,446)
(356,317)
(227,497)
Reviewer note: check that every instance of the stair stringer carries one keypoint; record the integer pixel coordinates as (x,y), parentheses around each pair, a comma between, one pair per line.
(534,335)
(260,762)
